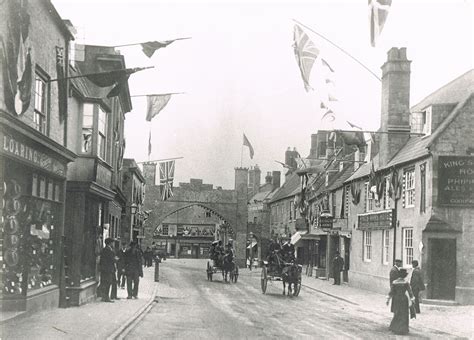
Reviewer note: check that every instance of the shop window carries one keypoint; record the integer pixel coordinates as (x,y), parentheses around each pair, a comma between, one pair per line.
(87,127)
(50,190)
(34,185)
(409,188)
(57,192)
(41,103)
(102,141)
(367,240)
(42,187)
(407,246)
(385,246)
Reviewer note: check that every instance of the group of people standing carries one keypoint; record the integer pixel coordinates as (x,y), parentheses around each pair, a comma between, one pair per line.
(116,268)
(405,296)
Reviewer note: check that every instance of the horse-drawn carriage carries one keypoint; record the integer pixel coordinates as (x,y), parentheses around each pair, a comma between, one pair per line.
(226,268)
(222,262)
(287,272)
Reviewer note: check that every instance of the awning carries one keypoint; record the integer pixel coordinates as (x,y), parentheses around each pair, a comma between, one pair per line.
(253,244)
(297,236)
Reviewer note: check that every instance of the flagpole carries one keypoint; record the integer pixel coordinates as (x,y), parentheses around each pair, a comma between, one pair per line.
(134,44)
(339,48)
(377,132)
(156,94)
(99,73)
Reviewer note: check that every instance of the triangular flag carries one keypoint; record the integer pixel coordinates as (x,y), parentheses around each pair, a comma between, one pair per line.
(247,143)
(378,12)
(156,103)
(353,125)
(150,47)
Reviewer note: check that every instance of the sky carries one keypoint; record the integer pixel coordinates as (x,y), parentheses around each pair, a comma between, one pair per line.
(240,75)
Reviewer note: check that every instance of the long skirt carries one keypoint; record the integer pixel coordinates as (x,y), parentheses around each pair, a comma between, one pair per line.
(400,321)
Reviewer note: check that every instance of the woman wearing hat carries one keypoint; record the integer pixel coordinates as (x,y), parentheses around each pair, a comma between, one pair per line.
(402,297)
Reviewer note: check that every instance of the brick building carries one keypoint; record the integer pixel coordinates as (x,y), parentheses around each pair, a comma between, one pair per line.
(35,155)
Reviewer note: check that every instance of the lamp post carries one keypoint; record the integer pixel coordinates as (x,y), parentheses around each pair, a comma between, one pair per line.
(133,211)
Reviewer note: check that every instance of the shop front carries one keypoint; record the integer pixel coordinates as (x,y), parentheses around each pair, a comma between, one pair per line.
(33,174)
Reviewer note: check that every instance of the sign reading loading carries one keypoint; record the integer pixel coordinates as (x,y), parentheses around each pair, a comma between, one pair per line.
(456,180)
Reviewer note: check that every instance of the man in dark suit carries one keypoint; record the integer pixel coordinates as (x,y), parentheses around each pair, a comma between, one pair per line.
(337,267)
(133,269)
(417,284)
(107,270)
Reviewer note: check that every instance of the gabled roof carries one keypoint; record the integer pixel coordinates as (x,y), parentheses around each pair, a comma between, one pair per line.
(457,92)
(290,188)
(452,92)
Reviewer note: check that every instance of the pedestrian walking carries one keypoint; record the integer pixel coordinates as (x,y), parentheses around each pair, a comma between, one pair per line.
(417,284)
(402,298)
(121,266)
(107,270)
(133,269)
(337,267)
(148,256)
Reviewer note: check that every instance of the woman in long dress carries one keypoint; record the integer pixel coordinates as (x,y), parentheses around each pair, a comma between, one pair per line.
(402,296)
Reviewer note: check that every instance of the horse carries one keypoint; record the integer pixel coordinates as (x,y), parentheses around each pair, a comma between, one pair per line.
(228,266)
(291,275)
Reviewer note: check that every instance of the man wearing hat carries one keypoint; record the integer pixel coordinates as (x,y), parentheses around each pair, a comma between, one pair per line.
(337,267)
(133,269)
(107,270)
(395,271)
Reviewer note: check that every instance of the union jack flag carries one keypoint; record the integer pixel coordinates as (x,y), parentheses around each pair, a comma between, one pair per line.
(305,53)
(166,179)
(378,12)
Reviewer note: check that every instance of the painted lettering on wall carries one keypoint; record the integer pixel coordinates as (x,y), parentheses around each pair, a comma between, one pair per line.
(20,150)
(456,180)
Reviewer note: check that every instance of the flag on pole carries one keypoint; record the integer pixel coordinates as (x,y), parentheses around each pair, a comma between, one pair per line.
(111,78)
(329,116)
(305,53)
(156,103)
(247,143)
(150,47)
(353,125)
(166,179)
(378,12)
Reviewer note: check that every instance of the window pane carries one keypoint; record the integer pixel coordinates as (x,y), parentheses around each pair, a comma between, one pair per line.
(88,115)
(86,140)
(50,190)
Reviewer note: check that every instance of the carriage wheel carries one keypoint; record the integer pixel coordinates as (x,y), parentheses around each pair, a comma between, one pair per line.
(297,287)
(264,279)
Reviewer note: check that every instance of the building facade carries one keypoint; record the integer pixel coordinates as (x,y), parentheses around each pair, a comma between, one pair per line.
(34,156)
(94,197)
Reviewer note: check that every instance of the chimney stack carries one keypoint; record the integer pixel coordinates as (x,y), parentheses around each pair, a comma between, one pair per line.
(268,178)
(276,179)
(395,118)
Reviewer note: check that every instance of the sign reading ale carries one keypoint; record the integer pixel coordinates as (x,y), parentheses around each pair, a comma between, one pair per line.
(456,180)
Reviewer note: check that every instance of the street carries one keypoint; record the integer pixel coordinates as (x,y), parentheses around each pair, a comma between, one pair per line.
(190,306)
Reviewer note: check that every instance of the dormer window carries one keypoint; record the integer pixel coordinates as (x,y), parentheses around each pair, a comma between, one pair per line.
(426,121)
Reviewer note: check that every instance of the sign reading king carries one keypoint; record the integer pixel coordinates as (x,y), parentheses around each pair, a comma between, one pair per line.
(456,180)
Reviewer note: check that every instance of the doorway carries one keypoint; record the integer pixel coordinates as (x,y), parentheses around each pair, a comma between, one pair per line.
(442,264)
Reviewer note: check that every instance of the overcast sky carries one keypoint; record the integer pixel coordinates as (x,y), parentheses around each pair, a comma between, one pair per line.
(240,75)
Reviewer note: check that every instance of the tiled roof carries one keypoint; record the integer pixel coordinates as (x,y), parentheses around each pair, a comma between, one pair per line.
(364,169)
(259,196)
(339,179)
(290,188)
(453,92)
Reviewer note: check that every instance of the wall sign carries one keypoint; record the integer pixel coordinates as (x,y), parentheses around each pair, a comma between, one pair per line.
(20,150)
(456,180)
(376,220)
(325,222)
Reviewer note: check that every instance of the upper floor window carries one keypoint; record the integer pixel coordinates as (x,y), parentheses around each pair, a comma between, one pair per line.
(102,139)
(369,198)
(87,127)
(409,188)
(41,103)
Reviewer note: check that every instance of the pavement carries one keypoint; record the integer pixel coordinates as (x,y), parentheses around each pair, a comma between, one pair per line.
(100,320)
(95,320)
(456,320)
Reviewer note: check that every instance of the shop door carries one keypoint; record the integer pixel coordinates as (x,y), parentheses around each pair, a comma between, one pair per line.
(196,251)
(443,268)
(346,256)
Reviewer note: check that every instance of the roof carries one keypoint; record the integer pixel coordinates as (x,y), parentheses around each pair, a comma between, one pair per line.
(131,165)
(260,196)
(86,88)
(458,92)
(290,188)
(453,92)
(340,177)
